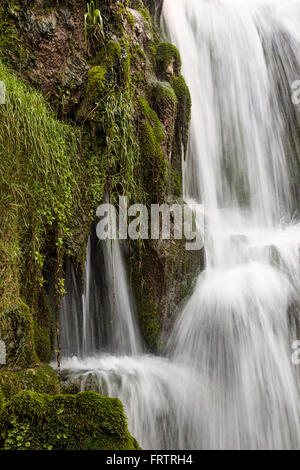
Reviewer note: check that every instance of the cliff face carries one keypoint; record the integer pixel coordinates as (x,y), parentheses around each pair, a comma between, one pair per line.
(95,105)
(104,70)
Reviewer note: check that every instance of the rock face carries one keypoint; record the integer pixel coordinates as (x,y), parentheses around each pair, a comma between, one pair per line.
(163,276)
(95,105)
(129,106)
(49,49)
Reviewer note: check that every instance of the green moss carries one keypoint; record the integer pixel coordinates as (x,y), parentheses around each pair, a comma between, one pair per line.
(126,151)
(146,15)
(136,4)
(2,399)
(144,274)
(150,146)
(113,52)
(163,274)
(96,82)
(110,54)
(149,322)
(41,379)
(85,421)
(40,174)
(126,64)
(130,18)
(164,95)
(168,61)
(121,7)
(44,11)
(150,115)
(43,343)
(16,324)
(93,26)
(176,185)
(184,109)
(165,104)
(113,147)
(8,39)
(155,166)
(120,13)
(191,263)
(139,53)
(112,144)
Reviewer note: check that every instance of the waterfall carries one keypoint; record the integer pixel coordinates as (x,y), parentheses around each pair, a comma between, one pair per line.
(236,331)
(227,381)
(102,318)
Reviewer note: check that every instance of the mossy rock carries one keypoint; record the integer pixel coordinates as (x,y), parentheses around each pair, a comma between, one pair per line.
(164,95)
(155,165)
(163,275)
(136,4)
(165,103)
(85,421)
(9,41)
(44,328)
(184,109)
(16,330)
(41,379)
(43,344)
(150,115)
(113,52)
(96,82)
(39,179)
(168,61)
(146,16)
(110,54)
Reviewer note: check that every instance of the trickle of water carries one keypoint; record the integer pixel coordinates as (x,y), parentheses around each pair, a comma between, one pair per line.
(228,381)
(125,338)
(102,318)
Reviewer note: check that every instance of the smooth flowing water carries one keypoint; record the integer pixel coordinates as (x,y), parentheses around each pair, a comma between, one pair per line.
(102,318)
(228,381)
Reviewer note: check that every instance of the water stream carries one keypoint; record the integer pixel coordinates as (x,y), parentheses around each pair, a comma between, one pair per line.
(227,381)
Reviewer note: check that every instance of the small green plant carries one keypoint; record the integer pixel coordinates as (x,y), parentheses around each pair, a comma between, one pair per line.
(93,21)
(17,437)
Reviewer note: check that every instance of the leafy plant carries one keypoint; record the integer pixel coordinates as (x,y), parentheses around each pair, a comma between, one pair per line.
(18,436)
(93,21)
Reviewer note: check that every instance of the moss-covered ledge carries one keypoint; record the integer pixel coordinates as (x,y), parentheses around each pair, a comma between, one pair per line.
(41,379)
(86,421)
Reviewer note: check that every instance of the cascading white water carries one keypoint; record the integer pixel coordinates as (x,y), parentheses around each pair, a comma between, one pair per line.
(164,403)
(235,331)
(122,331)
(228,382)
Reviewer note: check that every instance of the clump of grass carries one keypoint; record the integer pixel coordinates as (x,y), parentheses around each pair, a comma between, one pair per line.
(123,159)
(93,23)
(39,168)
